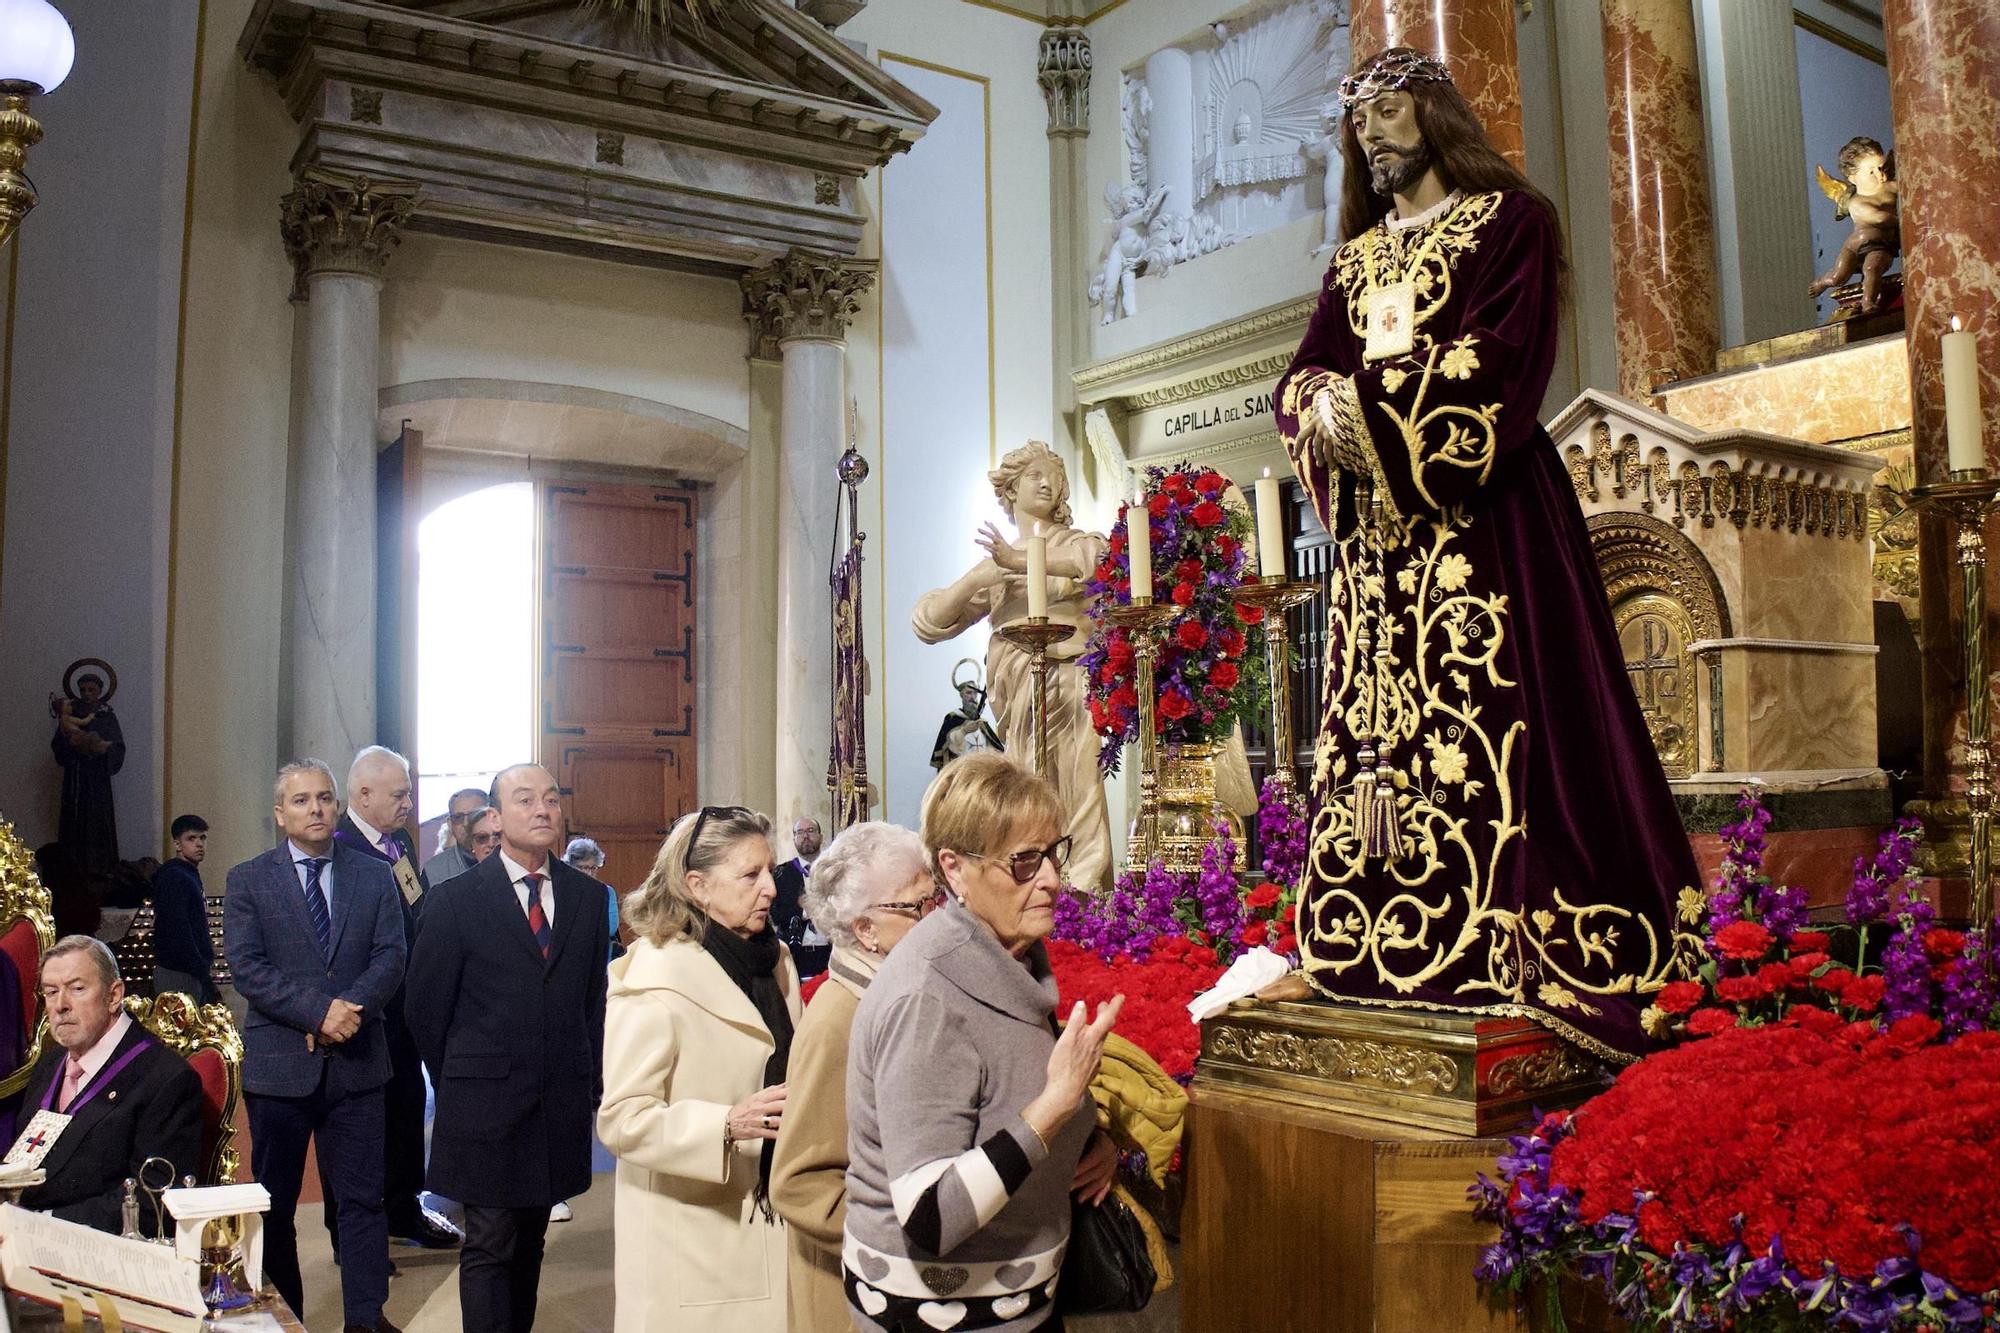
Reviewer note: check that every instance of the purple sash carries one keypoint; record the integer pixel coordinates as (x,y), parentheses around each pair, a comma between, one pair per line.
(96,1084)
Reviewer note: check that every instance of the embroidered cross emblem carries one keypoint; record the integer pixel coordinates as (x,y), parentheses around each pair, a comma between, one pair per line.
(36,1140)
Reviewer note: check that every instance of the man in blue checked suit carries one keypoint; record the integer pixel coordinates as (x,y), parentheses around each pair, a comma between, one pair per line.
(314,936)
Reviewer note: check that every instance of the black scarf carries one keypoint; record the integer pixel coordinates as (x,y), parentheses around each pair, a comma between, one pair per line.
(753,965)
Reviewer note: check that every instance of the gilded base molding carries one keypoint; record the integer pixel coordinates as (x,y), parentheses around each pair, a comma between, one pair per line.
(1462,1074)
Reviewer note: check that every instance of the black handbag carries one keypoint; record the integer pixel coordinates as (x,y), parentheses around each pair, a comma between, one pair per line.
(1106,1269)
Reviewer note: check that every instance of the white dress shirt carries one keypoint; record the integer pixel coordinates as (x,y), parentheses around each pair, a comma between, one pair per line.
(517,875)
(299,859)
(99,1055)
(375,836)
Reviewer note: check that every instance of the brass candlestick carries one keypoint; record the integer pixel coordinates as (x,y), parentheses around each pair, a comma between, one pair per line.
(1145,619)
(1036,635)
(1276,595)
(1968,501)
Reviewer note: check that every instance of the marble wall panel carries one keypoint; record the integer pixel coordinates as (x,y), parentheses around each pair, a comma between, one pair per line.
(1803,710)
(1792,586)
(1862,389)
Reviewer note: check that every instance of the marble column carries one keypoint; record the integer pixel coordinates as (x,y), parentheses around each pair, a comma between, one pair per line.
(799,308)
(1062,68)
(340,231)
(1170,130)
(1474,38)
(1944,101)
(1662,246)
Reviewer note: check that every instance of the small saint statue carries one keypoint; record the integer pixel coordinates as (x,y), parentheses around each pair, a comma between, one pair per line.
(965,729)
(1867,191)
(1033,489)
(90,747)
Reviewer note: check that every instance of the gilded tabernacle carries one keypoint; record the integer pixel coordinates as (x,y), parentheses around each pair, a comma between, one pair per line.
(1492,833)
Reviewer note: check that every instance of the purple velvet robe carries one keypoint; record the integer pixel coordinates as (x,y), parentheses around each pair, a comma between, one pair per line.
(1535,864)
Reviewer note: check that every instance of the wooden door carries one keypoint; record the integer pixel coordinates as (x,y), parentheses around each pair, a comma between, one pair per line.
(617,664)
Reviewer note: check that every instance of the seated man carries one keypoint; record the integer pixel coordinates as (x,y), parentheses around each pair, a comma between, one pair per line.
(125,1095)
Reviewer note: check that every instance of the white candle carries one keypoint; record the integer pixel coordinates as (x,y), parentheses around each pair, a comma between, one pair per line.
(1038,575)
(1139,541)
(1963,446)
(1270,528)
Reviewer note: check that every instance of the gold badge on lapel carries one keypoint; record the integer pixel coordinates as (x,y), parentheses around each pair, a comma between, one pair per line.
(1391,313)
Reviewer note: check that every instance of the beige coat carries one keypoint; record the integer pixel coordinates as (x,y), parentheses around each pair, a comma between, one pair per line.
(681,1046)
(809,1172)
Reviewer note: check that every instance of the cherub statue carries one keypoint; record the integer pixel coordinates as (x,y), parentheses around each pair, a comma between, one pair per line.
(1867,190)
(1128,249)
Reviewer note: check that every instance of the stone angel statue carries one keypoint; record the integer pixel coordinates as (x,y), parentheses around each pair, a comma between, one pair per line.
(1130,249)
(1867,191)
(1033,489)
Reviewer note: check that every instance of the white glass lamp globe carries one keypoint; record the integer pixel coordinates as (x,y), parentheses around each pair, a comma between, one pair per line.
(36,45)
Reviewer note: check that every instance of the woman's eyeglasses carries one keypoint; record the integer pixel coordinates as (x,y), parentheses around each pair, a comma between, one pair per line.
(918,910)
(709,812)
(1025,865)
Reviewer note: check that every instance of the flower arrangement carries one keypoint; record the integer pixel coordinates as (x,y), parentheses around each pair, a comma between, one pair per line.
(1837,1170)
(1156,987)
(1210,672)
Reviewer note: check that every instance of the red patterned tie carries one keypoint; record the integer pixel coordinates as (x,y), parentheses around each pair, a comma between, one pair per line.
(538,923)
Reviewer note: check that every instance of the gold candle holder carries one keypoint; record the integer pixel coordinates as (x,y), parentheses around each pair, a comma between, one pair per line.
(1277,594)
(1036,635)
(1145,619)
(1968,501)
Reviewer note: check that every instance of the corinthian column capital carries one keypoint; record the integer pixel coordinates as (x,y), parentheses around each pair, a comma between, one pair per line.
(1063,69)
(335,223)
(803,295)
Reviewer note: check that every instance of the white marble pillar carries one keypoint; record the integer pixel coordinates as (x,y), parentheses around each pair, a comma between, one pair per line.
(1170,129)
(802,304)
(340,231)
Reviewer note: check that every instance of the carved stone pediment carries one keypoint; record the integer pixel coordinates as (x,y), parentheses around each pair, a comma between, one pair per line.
(727,135)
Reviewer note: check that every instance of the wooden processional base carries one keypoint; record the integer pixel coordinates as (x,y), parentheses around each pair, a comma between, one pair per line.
(1330,1147)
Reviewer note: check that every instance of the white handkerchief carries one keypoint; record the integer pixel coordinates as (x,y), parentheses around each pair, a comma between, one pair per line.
(1246,976)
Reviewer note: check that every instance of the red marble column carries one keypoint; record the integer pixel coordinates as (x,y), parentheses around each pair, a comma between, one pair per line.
(1474,38)
(1662,245)
(1944,99)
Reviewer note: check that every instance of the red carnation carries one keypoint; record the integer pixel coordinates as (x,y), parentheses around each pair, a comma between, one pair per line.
(1811,939)
(1804,965)
(1207,514)
(1287,941)
(1227,545)
(1253,934)
(1188,570)
(1159,506)
(1176,705)
(1175,484)
(1742,940)
(1911,1031)
(1834,980)
(1775,975)
(1191,635)
(1942,943)
(1707,1022)
(1118,542)
(1677,997)
(1183,594)
(1264,895)
(1125,697)
(1210,483)
(1823,1022)
(1224,675)
(1864,994)
(1741,990)
(1250,615)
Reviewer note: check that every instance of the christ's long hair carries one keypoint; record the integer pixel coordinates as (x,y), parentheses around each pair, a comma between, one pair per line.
(1463,155)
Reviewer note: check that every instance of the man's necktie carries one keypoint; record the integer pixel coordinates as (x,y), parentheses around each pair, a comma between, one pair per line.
(72,1082)
(538,921)
(316,905)
(389,848)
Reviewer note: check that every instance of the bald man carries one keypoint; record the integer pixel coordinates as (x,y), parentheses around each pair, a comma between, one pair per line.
(506,1000)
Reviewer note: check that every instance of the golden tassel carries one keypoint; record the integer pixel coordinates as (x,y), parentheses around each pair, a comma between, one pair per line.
(1378,829)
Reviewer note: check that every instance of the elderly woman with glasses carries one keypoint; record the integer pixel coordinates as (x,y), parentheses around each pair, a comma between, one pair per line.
(697,1032)
(867,891)
(970,1126)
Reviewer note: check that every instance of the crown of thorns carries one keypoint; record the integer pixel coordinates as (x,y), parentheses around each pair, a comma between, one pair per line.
(1390,73)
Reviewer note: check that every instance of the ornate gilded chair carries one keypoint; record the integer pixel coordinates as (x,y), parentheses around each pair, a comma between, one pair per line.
(26,929)
(206,1037)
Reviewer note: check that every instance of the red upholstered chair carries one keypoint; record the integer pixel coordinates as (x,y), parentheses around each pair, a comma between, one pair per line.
(206,1037)
(26,928)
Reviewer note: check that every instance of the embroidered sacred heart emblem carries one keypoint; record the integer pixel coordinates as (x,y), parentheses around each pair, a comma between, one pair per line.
(943,1281)
(1014,1275)
(1009,1306)
(872,1301)
(873,1266)
(950,1314)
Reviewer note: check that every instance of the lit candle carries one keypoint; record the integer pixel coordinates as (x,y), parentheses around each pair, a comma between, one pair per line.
(1139,540)
(1270,529)
(1038,575)
(1963,447)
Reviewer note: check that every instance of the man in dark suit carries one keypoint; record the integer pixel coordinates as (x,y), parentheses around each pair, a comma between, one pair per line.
(810,949)
(379,803)
(127,1096)
(183,953)
(506,998)
(314,936)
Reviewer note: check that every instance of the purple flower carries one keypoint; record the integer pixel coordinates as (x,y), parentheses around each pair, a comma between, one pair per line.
(1874,879)
(1281,827)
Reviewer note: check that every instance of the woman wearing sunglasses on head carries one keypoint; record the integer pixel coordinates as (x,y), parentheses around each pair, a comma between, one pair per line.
(969,1124)
(868,890)
(697,1031)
